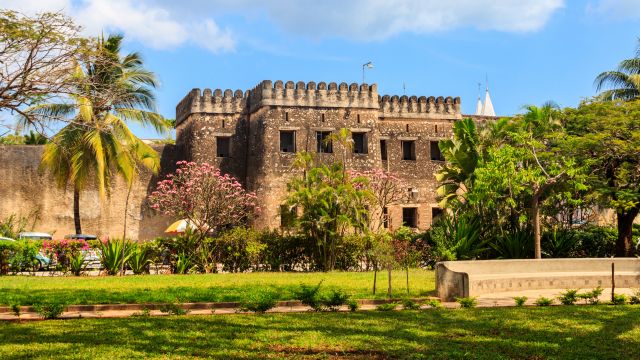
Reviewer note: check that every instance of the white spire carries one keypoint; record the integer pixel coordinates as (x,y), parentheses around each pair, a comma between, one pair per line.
(479,107)
(487,108)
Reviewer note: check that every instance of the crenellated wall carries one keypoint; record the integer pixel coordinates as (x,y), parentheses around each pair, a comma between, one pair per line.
(420,107)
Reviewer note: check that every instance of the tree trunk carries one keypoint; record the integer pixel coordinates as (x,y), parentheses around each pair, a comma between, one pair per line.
(535,218)
(407,280)
(124,229)
(624,244)
(76,210)
(375,278)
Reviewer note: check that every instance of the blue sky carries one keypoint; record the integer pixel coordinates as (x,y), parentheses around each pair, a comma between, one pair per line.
(531,50)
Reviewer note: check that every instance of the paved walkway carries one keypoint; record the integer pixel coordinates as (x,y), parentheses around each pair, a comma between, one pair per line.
(488,300)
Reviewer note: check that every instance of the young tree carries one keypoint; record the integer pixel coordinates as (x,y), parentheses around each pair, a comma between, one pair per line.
(605,136)
(209,200)
(405,252)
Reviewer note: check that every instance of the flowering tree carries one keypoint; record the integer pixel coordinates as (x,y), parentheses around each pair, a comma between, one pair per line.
(386,188)
(200,194)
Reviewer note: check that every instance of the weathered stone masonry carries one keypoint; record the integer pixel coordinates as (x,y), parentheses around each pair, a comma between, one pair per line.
(245,133)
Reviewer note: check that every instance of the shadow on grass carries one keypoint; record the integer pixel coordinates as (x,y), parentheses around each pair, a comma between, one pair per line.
(529,333)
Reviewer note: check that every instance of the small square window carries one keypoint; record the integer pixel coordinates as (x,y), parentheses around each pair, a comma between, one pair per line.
(436,154)
(408,150)
(383,150)
(323,140)
(360,143)
(436,213)
(223,146)
(288,141)
(410,217)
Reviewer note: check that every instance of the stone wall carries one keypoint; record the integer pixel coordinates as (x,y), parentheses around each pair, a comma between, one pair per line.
(24,189)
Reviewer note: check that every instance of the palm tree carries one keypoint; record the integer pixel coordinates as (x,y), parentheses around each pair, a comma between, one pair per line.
(97,144)
(622,83)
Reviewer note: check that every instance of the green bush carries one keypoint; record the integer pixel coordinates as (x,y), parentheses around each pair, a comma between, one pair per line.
(513,245)
(619,299)
(335,299)
(183,264)
(240,249)
(49,310)
(173,309)
(434,303)
(140,259)
(24,257)
(15,309)
(410,304)
(259,302)
(387,306)
(7,249)
(467,302)
(76,264)
(310,296)
(543,301)
(520,300)
(113,254)
(568,297)
(635,298)
(595,241)
(353,305)
(591,297)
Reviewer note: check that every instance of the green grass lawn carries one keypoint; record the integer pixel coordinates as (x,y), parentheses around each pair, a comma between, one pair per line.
(27,290)
(562,332)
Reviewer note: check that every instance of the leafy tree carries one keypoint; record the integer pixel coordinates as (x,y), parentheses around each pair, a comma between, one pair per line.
(622,83)
(97,143)
(605,136)
(332,203)
(34,138)
(209,200)
(405,252)
(38,55)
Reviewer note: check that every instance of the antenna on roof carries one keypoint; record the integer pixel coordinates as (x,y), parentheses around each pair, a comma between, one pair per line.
(404,88)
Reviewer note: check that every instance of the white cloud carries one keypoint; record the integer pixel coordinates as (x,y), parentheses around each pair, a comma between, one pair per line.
(143,21)
(621,9)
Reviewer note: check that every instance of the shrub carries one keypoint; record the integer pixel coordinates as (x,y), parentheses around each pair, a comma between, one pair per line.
(259,302)
(353,305)
(15,309)
(113,254)
(7,248)
(49,310)
(183,264)
(543,301)
(467,302)
(619,299)
(310,296)
(568,297)
(140,259)
(635,298)
(434,303)
(76,264)
(63,250)
(335,299)
(387,306)
(24,256)
(409,304)
(520,300)
(173,309)
(592,297)
(240,249)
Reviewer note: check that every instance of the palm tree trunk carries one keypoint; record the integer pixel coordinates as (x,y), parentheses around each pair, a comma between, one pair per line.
(535,209)
(124,230)
(76,210)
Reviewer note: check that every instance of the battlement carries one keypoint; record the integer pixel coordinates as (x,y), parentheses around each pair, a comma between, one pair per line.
(419,107)
(310,94)
(211,102)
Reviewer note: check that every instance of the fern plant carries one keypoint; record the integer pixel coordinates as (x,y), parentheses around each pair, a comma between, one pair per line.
(113,253)
(139,259)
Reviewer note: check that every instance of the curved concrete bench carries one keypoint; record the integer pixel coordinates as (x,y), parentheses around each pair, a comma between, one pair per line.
(477,277)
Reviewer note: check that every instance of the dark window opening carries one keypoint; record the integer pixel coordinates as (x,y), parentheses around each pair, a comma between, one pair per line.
(288,141)
(410,217)
(407,127)
(383,150)
(223,146)
(408,150)
(286,116)
(287,216)
(359,143)
(322,118)
(436,154)
(223,124)
(436,129)
(358,119)
(385,217)
(323,139)
(436,213)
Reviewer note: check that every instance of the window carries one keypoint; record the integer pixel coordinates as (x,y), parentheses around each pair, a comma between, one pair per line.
(410,217)
(359,143)
(435,151)
(383,150)
(288,141)
(286,116)
(436,213)
(223,146)
(323,140)
(287,216)
(385,217)
(408,150)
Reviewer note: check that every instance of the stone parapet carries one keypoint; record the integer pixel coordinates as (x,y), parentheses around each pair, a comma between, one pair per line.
(420,107)
(211,102)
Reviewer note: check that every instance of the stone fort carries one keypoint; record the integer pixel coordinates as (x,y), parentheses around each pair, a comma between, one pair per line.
(254,135)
